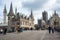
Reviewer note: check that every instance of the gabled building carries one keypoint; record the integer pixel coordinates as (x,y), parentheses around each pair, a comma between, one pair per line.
(15,20)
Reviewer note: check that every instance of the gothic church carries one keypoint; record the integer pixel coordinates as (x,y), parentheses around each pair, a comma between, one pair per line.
(15,20)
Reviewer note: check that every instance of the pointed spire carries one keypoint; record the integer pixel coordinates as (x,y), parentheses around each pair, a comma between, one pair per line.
(5,11)
(4,14)
(11,10)
(55,12)
(31,14)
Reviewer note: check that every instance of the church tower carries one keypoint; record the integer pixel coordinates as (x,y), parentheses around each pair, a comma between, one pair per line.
(10,17)
(31,21)
(45,16)
(4,14)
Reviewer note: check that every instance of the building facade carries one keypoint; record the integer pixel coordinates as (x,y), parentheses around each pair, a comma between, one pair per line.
(55,20)
(39,23)
(42,24)
(16,20)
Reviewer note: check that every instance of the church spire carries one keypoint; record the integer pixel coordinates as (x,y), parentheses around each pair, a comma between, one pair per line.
(4,14)
(5,11)
(11,10)
(31,14)
(55,12)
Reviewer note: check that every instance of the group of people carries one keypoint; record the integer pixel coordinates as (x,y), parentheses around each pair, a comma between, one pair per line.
(51,29)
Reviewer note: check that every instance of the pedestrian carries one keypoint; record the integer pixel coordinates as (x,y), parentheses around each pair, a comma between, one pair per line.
(31,28)
(52,29)
(49,28)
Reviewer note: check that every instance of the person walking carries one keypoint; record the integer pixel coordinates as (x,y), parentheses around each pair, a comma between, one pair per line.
(52,29)
(49,28)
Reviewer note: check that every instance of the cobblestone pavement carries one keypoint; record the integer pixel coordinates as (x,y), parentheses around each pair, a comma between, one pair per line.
(55,36)
(31,35)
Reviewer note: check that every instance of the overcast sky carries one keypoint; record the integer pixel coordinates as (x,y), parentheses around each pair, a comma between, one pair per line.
(25,6)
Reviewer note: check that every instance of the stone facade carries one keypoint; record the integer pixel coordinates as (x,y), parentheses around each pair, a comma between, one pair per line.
(17,20)
(55,20)
(42,24)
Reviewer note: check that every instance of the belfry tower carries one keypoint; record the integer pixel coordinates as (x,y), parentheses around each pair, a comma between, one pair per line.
(4,14)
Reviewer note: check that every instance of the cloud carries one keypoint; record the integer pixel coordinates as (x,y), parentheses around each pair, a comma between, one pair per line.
(25,6)
(58,1)
(34,5)
(56,7)
(49,5)
(1,2)
(30,1)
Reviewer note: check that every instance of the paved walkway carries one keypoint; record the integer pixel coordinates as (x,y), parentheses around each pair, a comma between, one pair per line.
(31,35)
(55,36)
